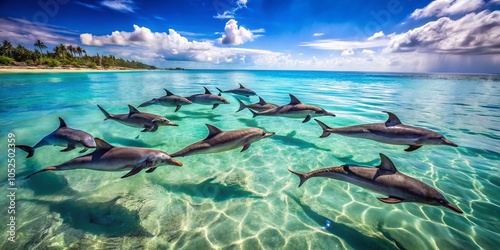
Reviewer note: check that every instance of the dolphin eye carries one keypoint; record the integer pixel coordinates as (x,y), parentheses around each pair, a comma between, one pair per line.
(264,133)
(441,201)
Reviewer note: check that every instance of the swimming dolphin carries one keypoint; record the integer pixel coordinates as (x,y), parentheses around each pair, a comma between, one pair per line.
(391,132)
(107,157)
(63,136)
(208,99)
(295,109)
(169,100)
(219,141)
(135,118)
(260,106)
(384,179)
(239,91)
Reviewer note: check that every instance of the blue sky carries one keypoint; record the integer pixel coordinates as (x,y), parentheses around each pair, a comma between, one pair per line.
(380,35)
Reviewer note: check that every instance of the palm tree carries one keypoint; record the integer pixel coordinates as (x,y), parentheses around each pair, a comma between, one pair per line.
(40,45)
(60,51)
(71,49)
(79,50)
(7,48)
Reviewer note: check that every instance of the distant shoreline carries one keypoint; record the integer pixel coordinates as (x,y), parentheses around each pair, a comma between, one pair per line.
(38,69)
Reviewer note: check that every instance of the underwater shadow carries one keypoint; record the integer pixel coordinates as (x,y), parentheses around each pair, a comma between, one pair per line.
(128,142)
(252,123)
(106,218)
(196,114)
(290,139)
(354,238)
(48,183)
(210,190)
(350,160)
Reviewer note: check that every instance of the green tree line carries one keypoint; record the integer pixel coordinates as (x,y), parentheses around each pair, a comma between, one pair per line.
(62,55)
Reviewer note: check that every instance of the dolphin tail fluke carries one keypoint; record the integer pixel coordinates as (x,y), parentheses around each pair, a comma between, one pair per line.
(27,149)
(108,115)
(303,177)
(43,170)
(242,105)
(325,129)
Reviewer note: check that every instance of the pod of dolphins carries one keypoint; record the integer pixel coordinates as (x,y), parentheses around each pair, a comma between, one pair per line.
(384,179)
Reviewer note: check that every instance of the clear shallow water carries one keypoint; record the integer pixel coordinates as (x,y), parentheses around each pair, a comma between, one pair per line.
(250,200)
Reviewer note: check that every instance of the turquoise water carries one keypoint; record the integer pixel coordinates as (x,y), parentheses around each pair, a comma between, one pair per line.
(249,200)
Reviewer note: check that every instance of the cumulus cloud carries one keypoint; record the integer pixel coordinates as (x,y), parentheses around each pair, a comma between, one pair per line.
(440,8)
(19,30)
(234,35)
(368,52)
(170,46)
(474,33)
(119,5)
(318,34)
(347,52)
(376,36)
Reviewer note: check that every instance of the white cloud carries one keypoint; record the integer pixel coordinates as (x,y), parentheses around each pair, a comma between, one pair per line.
(229,13)
(119,5)
(332,44)
(347,52)
(23,31)
(474,33)
(318,34)
(376,36)
(234,35)
(442,8)
(368,52)
(170,46)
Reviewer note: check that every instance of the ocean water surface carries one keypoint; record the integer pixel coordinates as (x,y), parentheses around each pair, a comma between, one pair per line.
(250,200)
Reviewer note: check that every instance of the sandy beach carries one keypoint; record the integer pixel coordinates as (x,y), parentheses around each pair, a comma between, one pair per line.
(35,69)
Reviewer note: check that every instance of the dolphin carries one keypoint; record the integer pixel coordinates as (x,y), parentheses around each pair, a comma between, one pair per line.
(169,100)
(219,141)
(107,157)
(384,179)
(208,99)
(63,136)
(391,132)
(260,106)
(295,109)
(135,118)
(239,91)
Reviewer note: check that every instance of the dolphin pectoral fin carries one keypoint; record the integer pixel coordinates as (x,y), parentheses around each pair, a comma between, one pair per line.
(390,200)
(412,148)
(69,148)
(177,108)
(308,118)
(153,129)
(145,130)
(136,169)
(215,106)
(151,170)
(83,150)
(245,147)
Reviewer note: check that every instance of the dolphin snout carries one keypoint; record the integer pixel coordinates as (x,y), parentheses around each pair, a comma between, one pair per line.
(453,207)
(172,124)
(175,162)
(269,134)
(329,114)
(448,142)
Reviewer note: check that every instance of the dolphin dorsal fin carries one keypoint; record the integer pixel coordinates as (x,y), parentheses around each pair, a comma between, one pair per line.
(168,92)
(241,86)
(294,100)
(393,119)
(102,145)
(261,101)
(386,164)
(62,123)
(207,91)
(212,131)
(132,110)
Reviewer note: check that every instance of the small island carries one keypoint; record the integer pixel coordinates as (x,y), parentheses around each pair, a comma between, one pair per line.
(63,57)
